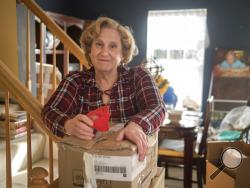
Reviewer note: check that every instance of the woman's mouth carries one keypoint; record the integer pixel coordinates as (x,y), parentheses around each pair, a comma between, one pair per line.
(103,60)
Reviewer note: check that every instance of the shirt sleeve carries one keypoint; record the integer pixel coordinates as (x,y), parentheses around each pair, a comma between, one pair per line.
(150,104)
(61,105)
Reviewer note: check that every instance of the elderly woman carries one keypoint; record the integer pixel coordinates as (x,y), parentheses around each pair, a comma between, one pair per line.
(131,94)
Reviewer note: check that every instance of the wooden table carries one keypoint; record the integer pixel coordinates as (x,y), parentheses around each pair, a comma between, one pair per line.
(176,131)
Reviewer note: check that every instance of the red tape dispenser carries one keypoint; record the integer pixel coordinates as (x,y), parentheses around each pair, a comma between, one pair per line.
(100,116)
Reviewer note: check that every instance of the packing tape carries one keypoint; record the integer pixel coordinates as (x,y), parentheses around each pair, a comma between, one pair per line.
(90,180)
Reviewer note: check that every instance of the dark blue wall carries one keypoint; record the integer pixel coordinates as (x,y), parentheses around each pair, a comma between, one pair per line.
(228,20)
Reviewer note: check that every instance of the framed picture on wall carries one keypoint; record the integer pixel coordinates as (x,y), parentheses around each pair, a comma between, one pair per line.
(232,63)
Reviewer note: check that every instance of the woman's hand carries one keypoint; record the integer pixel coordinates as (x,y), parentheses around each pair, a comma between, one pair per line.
(80,126)
(135,134)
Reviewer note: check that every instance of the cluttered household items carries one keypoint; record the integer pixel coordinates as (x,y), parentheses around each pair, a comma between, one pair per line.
(166,90)
(230,127)
(178,134)
(230,122)
(230,79)
(230,88)
(182,143)
(230,132)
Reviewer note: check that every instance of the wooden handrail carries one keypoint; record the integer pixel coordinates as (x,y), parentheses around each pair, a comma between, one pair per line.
(56,30)
(24,98)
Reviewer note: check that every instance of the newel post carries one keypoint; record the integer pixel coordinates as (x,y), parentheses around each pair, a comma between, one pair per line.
(37,178)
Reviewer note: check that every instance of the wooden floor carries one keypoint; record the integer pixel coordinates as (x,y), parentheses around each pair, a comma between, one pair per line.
(19,181)
(178,172)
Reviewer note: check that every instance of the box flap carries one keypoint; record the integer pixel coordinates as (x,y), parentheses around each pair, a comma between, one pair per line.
(222,180)
(88,144)
(237,178)
(242,179)
(106,144)
(215,149)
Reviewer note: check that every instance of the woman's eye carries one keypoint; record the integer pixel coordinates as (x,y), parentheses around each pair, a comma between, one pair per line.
(98,44)
(113,46)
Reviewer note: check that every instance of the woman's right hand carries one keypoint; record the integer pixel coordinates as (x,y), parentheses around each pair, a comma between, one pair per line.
(80,126)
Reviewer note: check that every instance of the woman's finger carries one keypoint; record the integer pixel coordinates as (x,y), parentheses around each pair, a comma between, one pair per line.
(84,137)
(84,133)
(120,135)
(145,144)
(134,133)
(82,126)
(144,147)
(85,119)
(138,141)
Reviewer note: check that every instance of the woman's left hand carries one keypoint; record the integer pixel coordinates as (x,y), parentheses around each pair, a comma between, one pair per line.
(135,134)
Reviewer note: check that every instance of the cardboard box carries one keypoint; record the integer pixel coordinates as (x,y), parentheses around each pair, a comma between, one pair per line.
(159,180)
(237,178)
(116,163)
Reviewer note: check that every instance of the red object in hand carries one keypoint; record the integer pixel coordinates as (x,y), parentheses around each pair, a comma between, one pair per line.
(100,116)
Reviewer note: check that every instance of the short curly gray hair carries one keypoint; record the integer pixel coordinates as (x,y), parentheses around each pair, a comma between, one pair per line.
(129,48)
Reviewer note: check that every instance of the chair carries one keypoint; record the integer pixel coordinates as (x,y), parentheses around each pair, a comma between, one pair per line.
(171,157)
(245,135)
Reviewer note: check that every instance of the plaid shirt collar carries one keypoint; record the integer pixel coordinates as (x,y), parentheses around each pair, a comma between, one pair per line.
(123,76)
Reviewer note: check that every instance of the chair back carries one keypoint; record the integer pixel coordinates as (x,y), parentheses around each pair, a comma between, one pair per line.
(244,136)
(203,144)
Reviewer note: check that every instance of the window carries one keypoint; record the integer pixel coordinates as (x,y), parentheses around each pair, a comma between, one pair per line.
(177,39)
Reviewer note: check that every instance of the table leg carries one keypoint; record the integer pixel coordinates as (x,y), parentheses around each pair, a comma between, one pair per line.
(188,153)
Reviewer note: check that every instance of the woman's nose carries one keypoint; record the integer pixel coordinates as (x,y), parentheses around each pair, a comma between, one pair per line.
(104,51)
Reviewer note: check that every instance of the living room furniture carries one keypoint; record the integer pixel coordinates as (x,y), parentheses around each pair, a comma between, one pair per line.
(187,157)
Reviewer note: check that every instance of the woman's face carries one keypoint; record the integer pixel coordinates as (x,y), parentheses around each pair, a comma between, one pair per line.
(230,58)
(106,50)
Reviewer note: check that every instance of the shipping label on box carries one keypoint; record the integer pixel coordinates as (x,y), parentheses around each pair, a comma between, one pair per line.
(120,168)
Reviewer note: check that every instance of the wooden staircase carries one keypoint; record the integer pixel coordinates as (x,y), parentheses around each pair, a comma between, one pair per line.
(13,88)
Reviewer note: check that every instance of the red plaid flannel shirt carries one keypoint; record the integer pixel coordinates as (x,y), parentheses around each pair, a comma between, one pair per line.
(134,97)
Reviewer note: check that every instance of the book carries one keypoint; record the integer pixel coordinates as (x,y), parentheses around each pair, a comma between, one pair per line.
(15,115)
(14,125)
(15,136)
(14,131)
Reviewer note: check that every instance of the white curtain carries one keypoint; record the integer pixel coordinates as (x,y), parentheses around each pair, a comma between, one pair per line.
(177,38)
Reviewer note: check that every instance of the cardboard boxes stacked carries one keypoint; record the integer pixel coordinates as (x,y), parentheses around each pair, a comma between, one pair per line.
(235,178)
(115,163)
(159,180)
